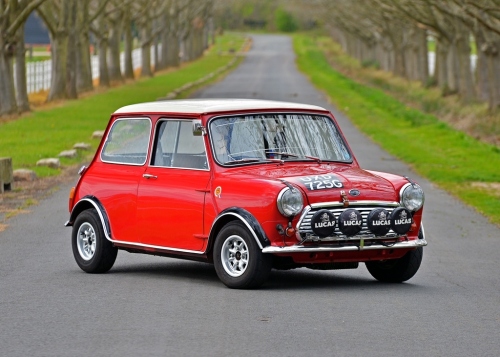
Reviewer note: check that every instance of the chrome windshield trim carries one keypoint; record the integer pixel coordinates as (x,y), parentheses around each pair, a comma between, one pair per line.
(309,249)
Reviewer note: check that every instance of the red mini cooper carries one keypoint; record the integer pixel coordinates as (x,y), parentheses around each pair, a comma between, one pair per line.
(248,185)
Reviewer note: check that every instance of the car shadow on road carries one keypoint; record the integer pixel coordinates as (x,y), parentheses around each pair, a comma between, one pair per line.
(297,279)
(306,279)
(169,269)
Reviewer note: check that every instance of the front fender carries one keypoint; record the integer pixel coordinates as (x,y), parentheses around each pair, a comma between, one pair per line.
(242,215)
(89,202)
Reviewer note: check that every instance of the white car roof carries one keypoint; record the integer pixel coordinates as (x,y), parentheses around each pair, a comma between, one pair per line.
(202,106)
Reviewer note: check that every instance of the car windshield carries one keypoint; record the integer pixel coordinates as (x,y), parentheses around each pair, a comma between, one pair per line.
(269,137)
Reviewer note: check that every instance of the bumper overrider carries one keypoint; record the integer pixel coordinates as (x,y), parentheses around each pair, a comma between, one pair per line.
(363,226)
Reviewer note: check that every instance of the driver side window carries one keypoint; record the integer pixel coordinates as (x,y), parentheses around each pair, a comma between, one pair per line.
(176,146)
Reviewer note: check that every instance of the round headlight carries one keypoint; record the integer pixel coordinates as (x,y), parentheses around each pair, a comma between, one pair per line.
(290,202)
(412,197)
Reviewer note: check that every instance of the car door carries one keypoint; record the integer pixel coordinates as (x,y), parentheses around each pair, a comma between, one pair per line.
(171,194)
(115,179)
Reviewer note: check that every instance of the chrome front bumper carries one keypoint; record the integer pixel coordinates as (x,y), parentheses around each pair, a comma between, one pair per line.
(329,248)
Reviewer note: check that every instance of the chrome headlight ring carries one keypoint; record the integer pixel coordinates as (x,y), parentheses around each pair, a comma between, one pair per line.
(412,196)
(290,202)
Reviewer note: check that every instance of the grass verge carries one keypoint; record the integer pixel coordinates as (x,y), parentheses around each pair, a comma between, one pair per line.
(45,133)
(458,163)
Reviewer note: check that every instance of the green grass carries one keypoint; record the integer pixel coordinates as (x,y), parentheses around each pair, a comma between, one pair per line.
(37,59)
(450,158)
(45,133)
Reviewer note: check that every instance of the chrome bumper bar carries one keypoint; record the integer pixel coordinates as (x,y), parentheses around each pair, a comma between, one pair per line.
(328,248)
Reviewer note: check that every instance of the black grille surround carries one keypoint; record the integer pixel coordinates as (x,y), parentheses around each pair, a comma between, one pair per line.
(306,234)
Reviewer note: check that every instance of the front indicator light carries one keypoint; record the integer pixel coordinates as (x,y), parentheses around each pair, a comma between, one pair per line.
(71,198)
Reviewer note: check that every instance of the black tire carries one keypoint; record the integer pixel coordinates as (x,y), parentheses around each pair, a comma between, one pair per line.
(238,260)
(92,251)
(397,270)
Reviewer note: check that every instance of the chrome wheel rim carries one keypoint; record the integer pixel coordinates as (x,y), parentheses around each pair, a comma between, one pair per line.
(86,241)
(235,256)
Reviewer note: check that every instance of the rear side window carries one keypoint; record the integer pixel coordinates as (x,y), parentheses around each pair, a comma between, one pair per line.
(127,142)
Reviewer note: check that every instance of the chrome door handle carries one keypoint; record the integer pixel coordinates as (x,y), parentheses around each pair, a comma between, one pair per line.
(149,176)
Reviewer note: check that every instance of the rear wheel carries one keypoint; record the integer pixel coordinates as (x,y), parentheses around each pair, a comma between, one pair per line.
(397,270)
(92,251)
(238,260)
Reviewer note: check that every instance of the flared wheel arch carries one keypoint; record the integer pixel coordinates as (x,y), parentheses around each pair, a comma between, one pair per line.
(91,202)
(240,215)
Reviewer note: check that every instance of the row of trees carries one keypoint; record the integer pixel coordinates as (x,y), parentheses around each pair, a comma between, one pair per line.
(183,27)
(394,34)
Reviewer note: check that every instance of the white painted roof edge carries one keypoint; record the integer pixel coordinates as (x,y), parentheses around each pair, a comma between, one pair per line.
(200,106)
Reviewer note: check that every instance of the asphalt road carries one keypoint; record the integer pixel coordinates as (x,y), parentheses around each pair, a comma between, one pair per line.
(155,306)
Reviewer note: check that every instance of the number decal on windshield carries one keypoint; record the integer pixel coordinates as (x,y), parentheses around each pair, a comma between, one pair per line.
(321,182)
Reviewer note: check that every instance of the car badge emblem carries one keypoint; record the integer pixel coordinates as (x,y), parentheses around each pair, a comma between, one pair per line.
(382,216)
(403,215)
(354,192)
(325,218)
(353,216)
(345,200)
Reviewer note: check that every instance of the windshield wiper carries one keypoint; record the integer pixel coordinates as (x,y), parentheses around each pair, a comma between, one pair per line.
(313,158)
(293,155)
(249,160)
(240,161)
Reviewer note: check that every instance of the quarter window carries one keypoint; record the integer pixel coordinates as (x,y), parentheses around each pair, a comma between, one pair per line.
(176,146)
(127,142)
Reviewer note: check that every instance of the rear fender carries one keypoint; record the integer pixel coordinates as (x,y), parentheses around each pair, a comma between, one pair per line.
(89,202)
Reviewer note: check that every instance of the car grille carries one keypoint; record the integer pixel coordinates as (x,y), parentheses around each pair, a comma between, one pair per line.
(306,233)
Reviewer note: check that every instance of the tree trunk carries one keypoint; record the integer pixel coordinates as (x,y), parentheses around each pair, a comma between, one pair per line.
(452,68)
(156,52)
(103,63)
(492,53)
(441,71)
(72,56)
(84,81)
(482,78)
(422,56)
(23,104)
(466,82)
(399,54)
(102,49)
(164,59)
(7,95)
(115,73)
(59,54)
(173,50)
(146,50)
(128,39)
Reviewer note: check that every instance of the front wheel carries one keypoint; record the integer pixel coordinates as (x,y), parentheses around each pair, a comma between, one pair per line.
(92,251)
(239,262)
(397,270)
